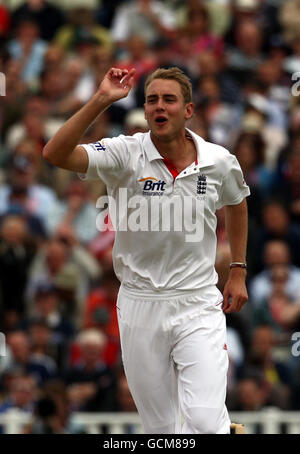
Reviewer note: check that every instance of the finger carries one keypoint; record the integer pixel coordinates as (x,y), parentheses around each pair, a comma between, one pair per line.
(128,77)
(235,306)
(118,73)
(232,305)
(130,82)
(115,73)
(226,301)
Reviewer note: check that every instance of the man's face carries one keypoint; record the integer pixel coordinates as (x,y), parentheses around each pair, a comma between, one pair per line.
(165,109)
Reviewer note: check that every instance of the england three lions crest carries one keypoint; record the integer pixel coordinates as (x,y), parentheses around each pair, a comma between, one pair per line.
(201,184)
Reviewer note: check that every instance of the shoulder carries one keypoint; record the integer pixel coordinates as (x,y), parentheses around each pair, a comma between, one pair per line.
(218,152)
(214,154)
(135,139)
(207,147)
(132,143)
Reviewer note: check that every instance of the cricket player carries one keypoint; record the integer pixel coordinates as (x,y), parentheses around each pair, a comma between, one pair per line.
(167,182)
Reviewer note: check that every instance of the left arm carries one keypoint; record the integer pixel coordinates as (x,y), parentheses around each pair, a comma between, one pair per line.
(235,293)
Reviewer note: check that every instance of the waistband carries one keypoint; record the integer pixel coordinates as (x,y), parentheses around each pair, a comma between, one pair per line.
(166,294)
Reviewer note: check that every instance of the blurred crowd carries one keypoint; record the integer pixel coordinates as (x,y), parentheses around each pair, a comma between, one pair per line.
(57,286)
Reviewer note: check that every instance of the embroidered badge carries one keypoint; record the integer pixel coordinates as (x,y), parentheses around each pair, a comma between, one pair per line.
(201,184)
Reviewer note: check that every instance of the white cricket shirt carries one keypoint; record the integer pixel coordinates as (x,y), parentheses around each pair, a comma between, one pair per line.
(156,249)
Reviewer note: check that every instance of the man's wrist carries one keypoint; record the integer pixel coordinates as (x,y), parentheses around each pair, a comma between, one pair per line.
(238,272)
(103,99)
(242,265)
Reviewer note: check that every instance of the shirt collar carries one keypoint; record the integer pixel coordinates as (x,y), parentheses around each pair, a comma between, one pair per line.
(205,158)
(150,149)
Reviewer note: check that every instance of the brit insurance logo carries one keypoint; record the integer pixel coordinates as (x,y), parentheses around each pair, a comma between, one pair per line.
(152,186)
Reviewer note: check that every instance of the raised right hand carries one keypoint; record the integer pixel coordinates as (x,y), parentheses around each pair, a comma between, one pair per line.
(111,86)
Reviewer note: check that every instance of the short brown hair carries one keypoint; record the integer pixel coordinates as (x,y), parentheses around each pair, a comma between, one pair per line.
(173,74)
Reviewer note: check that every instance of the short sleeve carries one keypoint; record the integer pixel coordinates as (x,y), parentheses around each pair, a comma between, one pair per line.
(107,160)
(233,188)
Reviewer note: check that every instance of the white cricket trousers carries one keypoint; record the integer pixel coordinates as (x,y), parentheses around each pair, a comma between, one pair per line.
(175,359)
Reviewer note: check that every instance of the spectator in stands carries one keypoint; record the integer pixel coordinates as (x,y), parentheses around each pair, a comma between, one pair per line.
(250,395)
(80,260)
(22,190)
(21,395)
(292,62)
(52,415)
(41,368)
(33,130)
(261,362)
(52,265)
(135,122)
(264,117)
(81,30)
(138,56)
(43,349)
(46,14)
(91,383)
(287,184)
(77,211)
(276,252)
(276,225)
(17,251)
(54,58)
(16,92)
(249,149)
(219,14)
(106,11)
(148,18)
(51,88)
(247,52)
(47,306)
(100,312)
(78,74)
(262,13)
(208,64)
(198,31)
(40,334)
(279,311)
(59,330)
(29,49)
(276,82)
(221,118)
(35,125)
(289,17)
(73,69)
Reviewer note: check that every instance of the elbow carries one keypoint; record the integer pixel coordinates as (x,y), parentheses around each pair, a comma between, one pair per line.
(48,154)
(45,153)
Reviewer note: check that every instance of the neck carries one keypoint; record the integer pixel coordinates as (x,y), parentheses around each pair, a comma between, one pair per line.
(181,147)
